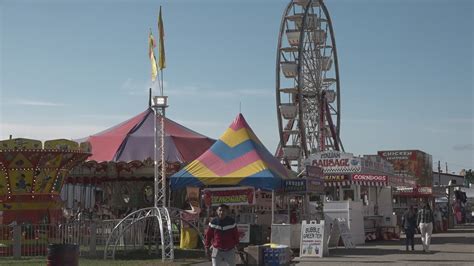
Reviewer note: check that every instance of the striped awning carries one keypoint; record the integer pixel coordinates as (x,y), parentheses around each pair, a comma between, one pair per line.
(337,183)
(371,183)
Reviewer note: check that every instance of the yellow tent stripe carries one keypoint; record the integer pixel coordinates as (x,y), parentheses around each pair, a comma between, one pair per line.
(198,169)
(233,138)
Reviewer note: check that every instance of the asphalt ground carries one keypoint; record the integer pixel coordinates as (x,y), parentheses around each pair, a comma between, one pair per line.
(455,247)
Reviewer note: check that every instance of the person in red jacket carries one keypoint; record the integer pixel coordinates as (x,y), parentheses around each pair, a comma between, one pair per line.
(222,237)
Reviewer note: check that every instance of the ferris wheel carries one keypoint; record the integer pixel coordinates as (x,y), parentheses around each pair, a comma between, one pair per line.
(308,98)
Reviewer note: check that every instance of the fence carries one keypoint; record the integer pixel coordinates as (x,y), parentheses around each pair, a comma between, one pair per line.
(33,240)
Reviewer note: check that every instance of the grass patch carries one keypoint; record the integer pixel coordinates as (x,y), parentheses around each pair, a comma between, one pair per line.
(131,257)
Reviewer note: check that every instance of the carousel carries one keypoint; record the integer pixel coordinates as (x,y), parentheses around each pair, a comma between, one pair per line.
(118,177)
(32,176)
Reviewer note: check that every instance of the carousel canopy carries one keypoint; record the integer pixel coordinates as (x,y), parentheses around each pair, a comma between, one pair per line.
(134,140)
(236,158)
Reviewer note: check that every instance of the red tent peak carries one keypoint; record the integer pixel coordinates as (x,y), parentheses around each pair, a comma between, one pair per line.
(239,122)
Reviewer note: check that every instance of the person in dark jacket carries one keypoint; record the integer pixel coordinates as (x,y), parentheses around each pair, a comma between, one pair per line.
(409,226)
(425,223)
(222,237)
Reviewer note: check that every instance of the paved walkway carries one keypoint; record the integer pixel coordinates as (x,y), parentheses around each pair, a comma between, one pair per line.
(455,247)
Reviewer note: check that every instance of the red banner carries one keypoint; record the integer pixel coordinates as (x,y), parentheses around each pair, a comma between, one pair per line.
(229,196)
(369,177)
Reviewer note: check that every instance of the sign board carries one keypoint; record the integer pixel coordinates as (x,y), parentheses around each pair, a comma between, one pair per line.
(314,171)
(229,196)
(314,179)
(369,177)
(411,163)
(263,200)
(312,239)
(345,233)
(295,185)
(329,178)
(315,185)
(244,233)
(334,233)
(335,162)
(192,195)
(376,163)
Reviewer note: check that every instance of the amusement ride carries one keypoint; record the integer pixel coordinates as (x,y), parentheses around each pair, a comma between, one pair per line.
(308,96)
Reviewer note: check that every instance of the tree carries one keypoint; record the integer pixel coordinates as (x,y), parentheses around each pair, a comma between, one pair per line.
(469,177)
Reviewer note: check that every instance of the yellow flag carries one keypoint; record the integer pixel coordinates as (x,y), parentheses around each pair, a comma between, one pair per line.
(151,54)
(161,30)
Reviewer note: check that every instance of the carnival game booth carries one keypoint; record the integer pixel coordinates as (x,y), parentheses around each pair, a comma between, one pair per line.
(358,190)
(118,177)
(238,171)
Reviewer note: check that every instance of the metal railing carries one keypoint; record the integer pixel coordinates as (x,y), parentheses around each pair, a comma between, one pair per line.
(25,240)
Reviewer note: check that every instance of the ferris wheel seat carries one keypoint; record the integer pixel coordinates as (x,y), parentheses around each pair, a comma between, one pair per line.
(330,96)
(289,69)
(319,36)
(293,37)
(291,152)
(329,81)
(305,2)
(288,111)
(289,90)
(312,21)
(326,63)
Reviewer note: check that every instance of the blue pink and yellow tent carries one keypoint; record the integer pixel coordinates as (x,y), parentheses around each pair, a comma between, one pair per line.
(237,158)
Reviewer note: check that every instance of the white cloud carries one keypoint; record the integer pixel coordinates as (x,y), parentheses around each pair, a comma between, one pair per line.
(47,132)
(197,123)
(36,103)
(463,147)
(105,117)
(132,87)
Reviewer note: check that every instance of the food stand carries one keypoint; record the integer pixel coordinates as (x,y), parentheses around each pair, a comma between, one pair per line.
(357,190)
(239,171)
(413,179)
(292,206)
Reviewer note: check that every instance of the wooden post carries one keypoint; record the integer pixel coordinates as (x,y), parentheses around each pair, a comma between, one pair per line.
(93,238)
(17,241)
(273,207)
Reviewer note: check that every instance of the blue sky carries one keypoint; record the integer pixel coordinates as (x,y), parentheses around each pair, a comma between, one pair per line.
(73,68)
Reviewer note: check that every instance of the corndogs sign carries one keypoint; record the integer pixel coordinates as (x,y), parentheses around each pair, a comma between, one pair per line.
(335,162)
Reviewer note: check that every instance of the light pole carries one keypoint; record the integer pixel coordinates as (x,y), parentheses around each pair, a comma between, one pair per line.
(159,104)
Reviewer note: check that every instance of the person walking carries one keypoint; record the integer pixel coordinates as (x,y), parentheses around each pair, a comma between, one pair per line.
(425,223)
(438,220)
(409,226)
(221,238)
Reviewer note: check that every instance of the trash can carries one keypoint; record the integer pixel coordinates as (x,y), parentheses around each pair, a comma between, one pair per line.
(63,255)
(276,256)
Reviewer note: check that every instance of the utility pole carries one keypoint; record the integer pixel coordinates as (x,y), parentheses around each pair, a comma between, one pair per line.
(439,173)
(447,168)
